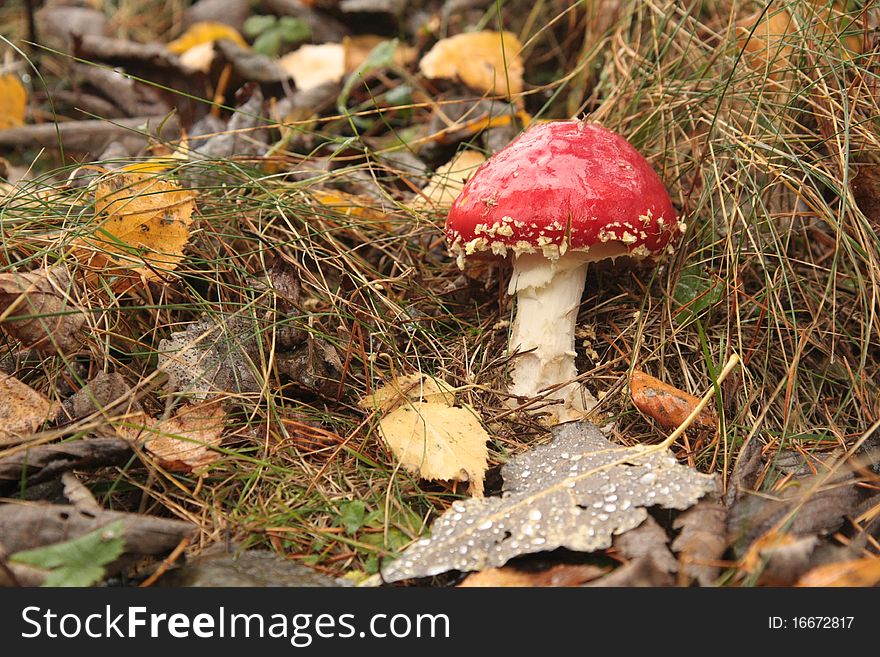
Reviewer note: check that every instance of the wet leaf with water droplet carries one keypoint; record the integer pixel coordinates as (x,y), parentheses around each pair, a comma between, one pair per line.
(555,505)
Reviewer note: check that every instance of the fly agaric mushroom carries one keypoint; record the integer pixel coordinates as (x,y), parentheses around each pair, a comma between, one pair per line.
(560,196)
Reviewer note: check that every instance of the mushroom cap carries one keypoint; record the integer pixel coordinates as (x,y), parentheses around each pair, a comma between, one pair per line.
(564,186)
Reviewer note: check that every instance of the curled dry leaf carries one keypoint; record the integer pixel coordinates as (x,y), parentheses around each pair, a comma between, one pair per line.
(108,393)
(487,62)
(860,572)
(576,492)
(22,409)
(186,441)
(145,224)
(39,309)
(667,405)
(448,181)
(13,101)
(429,435)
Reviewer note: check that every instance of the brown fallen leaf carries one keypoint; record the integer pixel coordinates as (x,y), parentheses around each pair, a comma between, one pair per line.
(641,572)
(558,575)
(487,62)
(649,538)
(860,572)
(22,409)
(702,541)
(811,505)
(145,224)
(211,356)
(185,442)
(39,308)
(428,435)
(13,101)
(667,405)
(777,558)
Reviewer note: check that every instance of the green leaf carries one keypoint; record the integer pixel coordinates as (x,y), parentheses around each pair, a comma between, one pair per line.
(695,292)
(256,25)
(293,29)
(381,56)
(79,562)
(352,516)
(268,43)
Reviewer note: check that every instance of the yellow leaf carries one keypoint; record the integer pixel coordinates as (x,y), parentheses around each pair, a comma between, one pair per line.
(448,181)
(311,66)
(429,435)
(146,222)
(186,441)
(205,32)
(349,205)
(766,42)
(769,39)
(13,101)
(487,62)
(438,441)
(415,387)
(22,410)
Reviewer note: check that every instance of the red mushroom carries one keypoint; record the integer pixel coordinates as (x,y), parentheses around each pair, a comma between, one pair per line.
(562,195)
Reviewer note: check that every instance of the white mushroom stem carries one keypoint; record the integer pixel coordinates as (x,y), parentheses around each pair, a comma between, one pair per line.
(548,295)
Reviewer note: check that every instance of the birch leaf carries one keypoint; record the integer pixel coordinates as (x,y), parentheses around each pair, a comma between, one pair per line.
(429,435)
(13,101)
(487,62)
(146,223)
(576,492)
